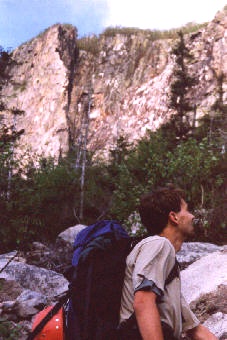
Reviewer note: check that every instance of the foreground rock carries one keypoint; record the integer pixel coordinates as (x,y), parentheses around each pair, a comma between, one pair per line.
(204,275)
(192,251)
(40,280)
(218,322)
(204,285)
(57,256)
(69,234)
(26,289)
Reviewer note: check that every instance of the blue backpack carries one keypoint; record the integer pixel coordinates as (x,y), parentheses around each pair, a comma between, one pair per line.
(91,305)
(100,251)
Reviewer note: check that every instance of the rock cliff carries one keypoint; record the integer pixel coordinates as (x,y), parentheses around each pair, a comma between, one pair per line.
(122,81)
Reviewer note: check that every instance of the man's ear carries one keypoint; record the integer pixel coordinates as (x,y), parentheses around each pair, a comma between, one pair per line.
(173,218)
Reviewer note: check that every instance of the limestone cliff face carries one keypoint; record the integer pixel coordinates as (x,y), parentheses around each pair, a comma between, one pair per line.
(39,86)
(123,82)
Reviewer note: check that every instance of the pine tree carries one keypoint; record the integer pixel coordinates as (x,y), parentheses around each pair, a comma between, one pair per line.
(5,60)
(180,88)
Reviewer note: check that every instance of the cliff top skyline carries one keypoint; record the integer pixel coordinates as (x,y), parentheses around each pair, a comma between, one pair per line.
(21,21)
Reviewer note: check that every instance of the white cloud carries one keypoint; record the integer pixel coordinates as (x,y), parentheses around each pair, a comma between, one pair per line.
(161,14)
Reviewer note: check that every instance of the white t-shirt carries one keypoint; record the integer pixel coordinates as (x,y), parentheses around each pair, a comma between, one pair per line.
(149,264)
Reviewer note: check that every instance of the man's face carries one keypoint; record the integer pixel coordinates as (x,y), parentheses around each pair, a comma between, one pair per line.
(185,220)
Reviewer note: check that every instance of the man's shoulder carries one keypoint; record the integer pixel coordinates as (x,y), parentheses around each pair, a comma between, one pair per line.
(156,244)
(155,240)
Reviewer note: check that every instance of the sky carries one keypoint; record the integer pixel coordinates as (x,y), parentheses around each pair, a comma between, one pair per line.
(21,20)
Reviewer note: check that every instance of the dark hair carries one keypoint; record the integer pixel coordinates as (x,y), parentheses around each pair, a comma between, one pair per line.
(155,207)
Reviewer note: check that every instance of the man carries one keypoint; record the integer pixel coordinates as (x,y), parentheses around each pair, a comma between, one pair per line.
(160,310)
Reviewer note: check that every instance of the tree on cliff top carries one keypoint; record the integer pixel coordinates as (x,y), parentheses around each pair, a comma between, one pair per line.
(4,77)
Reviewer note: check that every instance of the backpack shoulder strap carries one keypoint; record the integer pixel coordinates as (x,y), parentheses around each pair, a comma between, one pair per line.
(175,272)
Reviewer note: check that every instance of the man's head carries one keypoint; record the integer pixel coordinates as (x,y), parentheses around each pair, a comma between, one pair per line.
(156,207)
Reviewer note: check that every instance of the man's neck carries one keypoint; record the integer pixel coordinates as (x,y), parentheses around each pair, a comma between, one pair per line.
(174,237)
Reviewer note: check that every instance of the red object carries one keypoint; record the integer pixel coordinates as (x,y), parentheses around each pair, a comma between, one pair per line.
(54,329)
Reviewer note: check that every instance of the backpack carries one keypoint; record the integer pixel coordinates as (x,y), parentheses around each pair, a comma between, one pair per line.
(92,304)
(99,261)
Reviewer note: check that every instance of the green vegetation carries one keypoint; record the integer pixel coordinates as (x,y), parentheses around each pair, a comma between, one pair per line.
(20,86)
(46,200)
(180,87)
(153,34)
(89,44)
(5,61)
(8,330)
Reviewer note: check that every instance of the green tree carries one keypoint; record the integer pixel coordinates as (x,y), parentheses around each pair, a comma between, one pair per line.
(180,87)
(196,166)
(5,61)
